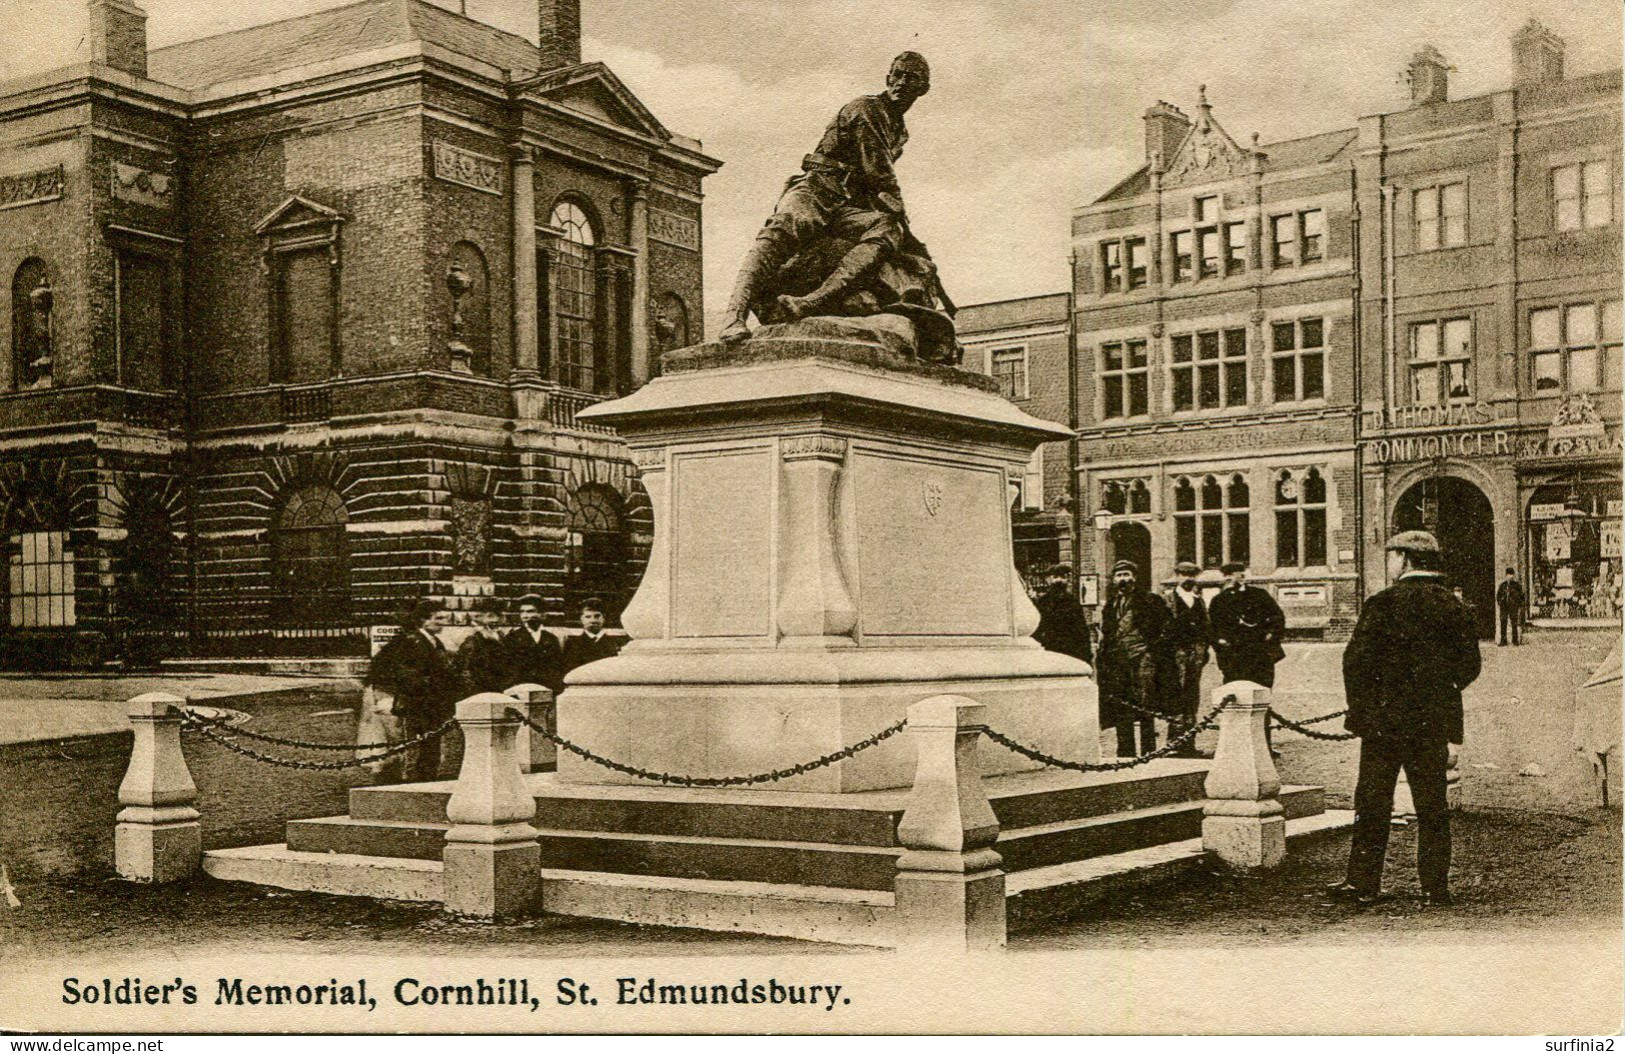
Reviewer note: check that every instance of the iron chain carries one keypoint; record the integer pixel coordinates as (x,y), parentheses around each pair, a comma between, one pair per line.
(1174,745)
(212,733)
(303,744)
(671,779)
(1303,729)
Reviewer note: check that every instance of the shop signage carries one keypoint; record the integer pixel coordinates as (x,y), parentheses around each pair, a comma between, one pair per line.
(1492,443)
(1460,415)
(1537,448)
(1610,540)
(1546,511)
(1616,508)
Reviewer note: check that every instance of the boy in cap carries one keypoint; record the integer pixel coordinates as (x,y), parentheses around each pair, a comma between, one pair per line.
(1413,651)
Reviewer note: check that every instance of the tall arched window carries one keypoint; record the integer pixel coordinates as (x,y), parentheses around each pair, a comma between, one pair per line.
(310,557)
(577,296)
(31,303)
(1211,524)
(597,549)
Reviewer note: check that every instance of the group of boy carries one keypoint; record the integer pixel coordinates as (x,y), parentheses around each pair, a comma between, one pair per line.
(425,678)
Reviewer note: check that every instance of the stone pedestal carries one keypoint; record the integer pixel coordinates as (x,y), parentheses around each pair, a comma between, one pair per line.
(491,855)
(832,545)
(1243,823)
(536,752)
(157,837)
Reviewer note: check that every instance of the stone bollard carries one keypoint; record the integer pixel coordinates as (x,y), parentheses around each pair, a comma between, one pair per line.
(157,837)
(950,888)
(535,751)
(491,855)
(1242,821)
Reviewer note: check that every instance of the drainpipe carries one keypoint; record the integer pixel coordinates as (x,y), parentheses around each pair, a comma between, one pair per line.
(1357,295)
(1390,326)
(1074,455)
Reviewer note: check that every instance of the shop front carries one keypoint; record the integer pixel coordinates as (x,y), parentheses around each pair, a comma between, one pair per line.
(1569,483)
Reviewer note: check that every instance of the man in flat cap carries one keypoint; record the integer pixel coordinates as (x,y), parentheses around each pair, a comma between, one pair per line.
(1130,641)
(847,189)
(1247,627)
(1413,651)
(1184,655)
(1061,625)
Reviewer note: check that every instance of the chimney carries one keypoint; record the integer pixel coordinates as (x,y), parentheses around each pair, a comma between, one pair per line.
(1537,55)
(117,35)
(1429,77)
(560,32)
(1166,127)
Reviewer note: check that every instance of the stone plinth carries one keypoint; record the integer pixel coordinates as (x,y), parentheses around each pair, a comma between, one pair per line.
(1244,823)
(158,836)
(832,545)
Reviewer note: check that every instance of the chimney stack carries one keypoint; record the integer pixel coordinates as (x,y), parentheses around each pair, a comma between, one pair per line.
(560,32)
(1429,77)
(1537,55)
(1166,127)
(117,35)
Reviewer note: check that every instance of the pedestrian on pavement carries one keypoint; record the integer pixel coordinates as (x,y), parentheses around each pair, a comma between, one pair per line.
(1184,655)
(1413,651)
(417,670)
(1061,625)
(530,652)
(592,643)
(1509,598)
(480,658)
(1130,638)
(1247,626)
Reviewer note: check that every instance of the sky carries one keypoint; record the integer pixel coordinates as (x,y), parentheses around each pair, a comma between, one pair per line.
(1035,105)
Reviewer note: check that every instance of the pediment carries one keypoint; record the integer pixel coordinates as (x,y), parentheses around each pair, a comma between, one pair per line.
(592,90)
(297,212)
(1207,154)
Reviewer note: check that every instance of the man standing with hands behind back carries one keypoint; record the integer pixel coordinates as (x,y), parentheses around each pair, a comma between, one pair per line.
(1413,651)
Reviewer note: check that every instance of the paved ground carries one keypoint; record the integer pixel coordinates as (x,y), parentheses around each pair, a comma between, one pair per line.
(35,707)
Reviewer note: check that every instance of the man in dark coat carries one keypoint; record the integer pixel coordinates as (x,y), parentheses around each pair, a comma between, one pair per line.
(530,653)
(593,643)
(1247,626)
(1130,637)
(1061,625)
(1413,651)
(1509,599)
(480,658)
(417,670)
(1184,655)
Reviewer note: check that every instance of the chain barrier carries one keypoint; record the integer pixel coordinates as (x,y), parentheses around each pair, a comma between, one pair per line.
(212,733)
(1303,729)
(671,779)
(303,744)
(1171,747)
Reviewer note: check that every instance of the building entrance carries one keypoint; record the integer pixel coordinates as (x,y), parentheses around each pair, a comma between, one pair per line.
(1460,517)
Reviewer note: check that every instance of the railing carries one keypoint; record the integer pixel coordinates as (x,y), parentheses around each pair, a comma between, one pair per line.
(562,408)
(307,404)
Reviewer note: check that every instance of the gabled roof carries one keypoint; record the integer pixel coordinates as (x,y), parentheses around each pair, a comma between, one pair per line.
(591,88)
(323,36)
(1278,157)
(298,212)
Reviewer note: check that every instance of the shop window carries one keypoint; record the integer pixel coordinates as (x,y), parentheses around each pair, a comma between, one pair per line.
(1122,497)
(596,549)
(1211,525)
(31,303)
(1209,369)
(1575,347)
(1124,379)
(1582,196)
(1574,550)
(1300,519)
(1440,216)
(1441,361)
(1298,360)
(310,557)
(576,298)
(1009,368)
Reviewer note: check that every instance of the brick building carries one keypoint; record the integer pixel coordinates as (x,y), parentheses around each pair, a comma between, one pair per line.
(1490,330)
(1023,344)
(298,320)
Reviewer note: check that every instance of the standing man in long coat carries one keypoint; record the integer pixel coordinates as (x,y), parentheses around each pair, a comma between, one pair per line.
(530,652)
(1061,625)
(1509,599)
(1247,626)
(1413,651)
(1130,638)
(1185,650)
(417,670)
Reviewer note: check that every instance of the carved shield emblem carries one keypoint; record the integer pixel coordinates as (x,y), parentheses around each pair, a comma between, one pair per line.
(933,496)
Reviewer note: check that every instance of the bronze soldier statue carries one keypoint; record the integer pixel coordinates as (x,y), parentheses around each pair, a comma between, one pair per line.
(838,242)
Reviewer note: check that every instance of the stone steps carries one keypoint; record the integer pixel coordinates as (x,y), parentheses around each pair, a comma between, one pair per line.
(820,913)
(770,856)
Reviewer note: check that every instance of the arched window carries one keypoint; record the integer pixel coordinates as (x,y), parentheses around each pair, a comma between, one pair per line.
(470,313)
(39,559)
(576,280)
(597,550)
(310,557)
(1211,525)
(1300,519)
(31,303)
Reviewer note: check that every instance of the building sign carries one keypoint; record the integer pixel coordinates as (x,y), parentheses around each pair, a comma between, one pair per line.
(1546,511)
(1610,540)
(1558,541)
(1461,415)
(1491,443)
(466,168)
(1616,509)
(1549,447)
(674,229)
(30,188)
(142,187)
